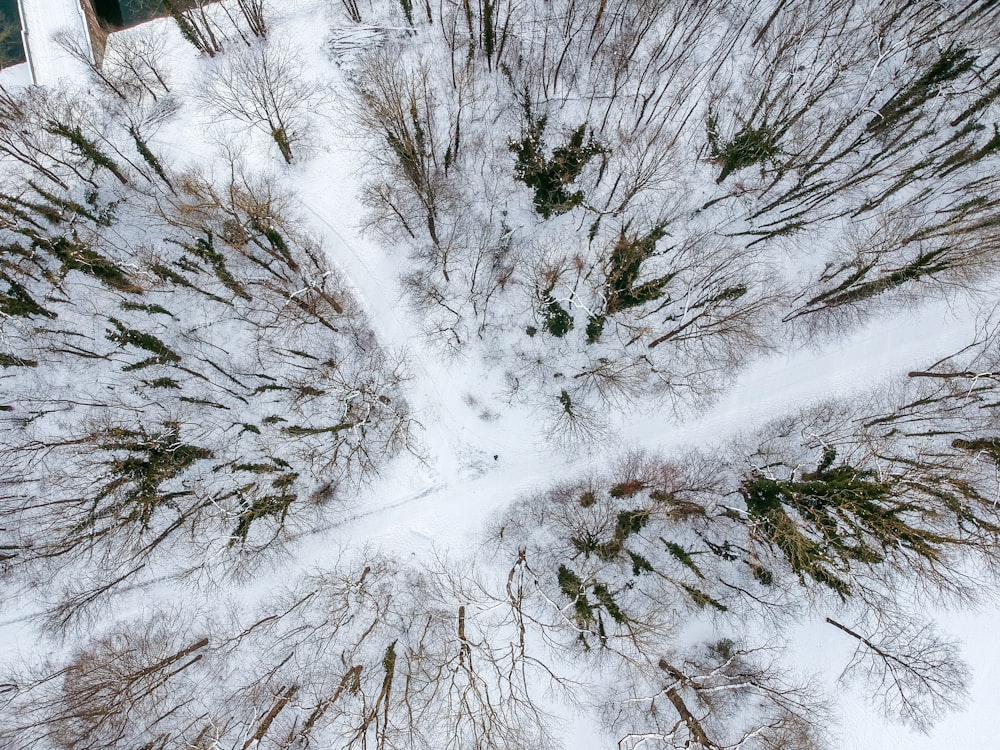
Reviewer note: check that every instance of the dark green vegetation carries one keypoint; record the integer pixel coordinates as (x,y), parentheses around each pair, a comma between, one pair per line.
(844,515)
(750,146)
(551,176)
(624,288)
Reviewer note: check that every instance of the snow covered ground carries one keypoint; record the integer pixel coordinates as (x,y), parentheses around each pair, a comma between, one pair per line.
(477,453)
(16,75)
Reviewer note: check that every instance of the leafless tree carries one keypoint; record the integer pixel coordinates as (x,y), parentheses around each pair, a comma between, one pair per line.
(694,703)
(196,24)
(136,56)
(28,141)
(900,249)
(262,85)
(912,673)
(401,107)
(131,68)
(353,11)
(140,679)
(571,423)
(369,653)
(253,12)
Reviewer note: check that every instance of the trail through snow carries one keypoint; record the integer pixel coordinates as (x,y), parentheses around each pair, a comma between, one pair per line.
(464,485)
(446,511)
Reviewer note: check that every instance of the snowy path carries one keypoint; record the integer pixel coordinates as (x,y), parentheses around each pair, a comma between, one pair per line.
(457,445)
(451,515)
(462,486)
(378,297)
(42,20)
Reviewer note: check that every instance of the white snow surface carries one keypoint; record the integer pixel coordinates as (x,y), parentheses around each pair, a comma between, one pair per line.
(16,75)
(438,501)
(42,21)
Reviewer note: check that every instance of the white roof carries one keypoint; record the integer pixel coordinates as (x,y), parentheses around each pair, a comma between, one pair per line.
(41,20)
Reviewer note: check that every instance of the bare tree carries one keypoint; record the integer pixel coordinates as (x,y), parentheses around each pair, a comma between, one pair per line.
(131,67)
(138,680)
(900,249)
(137,57)
(724,697)
(572,423)
(27,140)
(262,85)
(353,11)
(401,106)
(369,653)
(913,673)
(196,24)
(253,12)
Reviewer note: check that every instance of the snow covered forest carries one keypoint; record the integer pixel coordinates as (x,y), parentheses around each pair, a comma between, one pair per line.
(502,374)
